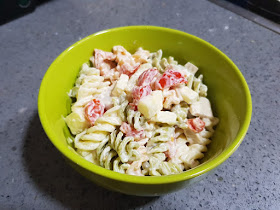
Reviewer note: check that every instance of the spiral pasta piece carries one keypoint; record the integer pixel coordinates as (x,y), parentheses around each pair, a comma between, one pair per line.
(160,167)
(195,152)
(161,63)
(134,118)
(125,147)
(92,137)
(119,166)
(88,85)
(157,142)
(181,110)
(197,85)
(167,168)
(105,154)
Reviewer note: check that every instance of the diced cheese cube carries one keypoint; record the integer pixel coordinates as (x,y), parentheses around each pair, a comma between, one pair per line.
(192,68)
(120,85)
(151,104)
(165,117)
(201,108)
(76,123)
(189,95)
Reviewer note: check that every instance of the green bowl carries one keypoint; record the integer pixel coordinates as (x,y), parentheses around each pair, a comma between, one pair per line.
(228,92)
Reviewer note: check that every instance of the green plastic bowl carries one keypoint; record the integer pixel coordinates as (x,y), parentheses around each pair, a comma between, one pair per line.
(228,92)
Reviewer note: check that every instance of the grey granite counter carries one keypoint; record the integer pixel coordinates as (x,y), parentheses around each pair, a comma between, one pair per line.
(33,175)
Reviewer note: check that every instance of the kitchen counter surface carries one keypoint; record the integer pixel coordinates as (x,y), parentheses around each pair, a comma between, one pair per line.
(33,175)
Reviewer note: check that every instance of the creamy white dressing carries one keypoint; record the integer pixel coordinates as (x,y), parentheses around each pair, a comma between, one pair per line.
(168,144)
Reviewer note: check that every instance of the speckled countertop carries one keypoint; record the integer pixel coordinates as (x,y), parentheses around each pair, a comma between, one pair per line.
(32,172)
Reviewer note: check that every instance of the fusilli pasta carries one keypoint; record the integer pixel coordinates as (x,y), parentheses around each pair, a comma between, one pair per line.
(140,114)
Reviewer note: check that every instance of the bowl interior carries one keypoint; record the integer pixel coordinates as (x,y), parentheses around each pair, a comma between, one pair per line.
(227,90)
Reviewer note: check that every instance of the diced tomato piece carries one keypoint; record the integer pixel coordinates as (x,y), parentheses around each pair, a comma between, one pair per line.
(101,56)
(171,78)
(147,76)
(196,124)
(137,94)
(93,110)
(155,83)
(128,130)
(140,92)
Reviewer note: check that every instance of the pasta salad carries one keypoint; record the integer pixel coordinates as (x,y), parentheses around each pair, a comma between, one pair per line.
(140,114)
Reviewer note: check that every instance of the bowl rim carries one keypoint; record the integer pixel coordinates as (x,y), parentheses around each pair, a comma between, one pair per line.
(148,180)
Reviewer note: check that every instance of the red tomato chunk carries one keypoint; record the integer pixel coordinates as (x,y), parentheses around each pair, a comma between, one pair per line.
(196,124)
(93,110)
(140,92)
(147,76)
(171,78)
